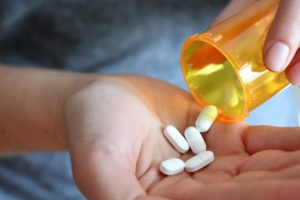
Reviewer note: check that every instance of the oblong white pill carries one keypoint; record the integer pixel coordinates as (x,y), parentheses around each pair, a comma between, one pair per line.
(195,140)
(230,95)
(172,166)
(206,118)
(199,161)
(176,139)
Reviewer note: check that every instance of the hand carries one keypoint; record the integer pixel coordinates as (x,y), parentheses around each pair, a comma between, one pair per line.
(283,41)
(116,144)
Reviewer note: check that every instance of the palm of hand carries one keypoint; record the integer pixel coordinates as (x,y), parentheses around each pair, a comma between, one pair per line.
(116,148)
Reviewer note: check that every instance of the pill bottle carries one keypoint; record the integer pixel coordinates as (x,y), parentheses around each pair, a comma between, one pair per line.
(223,66)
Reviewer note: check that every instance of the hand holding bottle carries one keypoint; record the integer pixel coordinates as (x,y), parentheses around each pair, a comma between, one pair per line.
(281,47)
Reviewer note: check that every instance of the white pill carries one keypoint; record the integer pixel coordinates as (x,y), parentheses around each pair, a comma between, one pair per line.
(206,118)
(176,139)
(195,140)
(172,166)
(230,95)
(199,161)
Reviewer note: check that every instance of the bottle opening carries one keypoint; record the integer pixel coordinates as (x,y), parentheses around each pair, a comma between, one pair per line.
(213,79)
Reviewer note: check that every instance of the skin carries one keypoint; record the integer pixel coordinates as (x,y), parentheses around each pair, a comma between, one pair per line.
(32,104)
(284,29)
(116,143)
(112,126)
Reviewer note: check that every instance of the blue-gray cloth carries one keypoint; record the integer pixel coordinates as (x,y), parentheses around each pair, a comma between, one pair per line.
(111,36)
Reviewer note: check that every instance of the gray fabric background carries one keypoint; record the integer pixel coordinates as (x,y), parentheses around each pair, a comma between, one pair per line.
(111,36)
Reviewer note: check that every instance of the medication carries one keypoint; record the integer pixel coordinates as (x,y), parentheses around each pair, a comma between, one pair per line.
(206,118)
(172,166)
(230,95)
(176,139)
(195,140)
(218,56)
(199,161)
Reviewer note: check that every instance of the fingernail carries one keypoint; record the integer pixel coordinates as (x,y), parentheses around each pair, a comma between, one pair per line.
(276,57)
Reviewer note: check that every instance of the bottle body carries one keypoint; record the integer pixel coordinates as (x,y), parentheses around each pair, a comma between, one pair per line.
(224,66)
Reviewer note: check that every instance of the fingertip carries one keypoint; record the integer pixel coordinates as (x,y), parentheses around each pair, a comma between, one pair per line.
(276,57)
(283,37)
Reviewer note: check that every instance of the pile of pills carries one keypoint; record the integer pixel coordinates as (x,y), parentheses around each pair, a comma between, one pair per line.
(193,140)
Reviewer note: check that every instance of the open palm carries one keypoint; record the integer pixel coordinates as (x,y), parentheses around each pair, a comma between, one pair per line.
(116,143)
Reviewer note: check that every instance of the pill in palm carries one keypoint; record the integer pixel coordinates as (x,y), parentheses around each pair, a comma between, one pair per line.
(172,166)
(206,118)
(176,139)
(195,140)
(199,161)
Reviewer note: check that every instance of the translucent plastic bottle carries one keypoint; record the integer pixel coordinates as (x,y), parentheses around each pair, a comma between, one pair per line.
(224,67)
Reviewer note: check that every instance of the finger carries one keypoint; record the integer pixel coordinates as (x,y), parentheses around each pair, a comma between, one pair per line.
(151,198)
(271,190)
(293,70)
(292,172)
(289,173)
(231,9)
(268,190)
(284,36)
(259,138)
(272,160)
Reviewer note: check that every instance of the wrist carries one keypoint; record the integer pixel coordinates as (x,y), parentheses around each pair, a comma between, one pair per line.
(32,102)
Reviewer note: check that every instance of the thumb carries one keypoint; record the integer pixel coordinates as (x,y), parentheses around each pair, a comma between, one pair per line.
(284,36)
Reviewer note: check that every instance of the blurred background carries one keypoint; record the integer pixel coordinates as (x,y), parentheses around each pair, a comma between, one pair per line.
(106,36)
